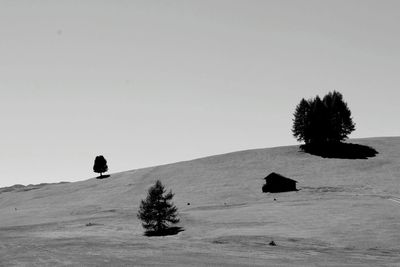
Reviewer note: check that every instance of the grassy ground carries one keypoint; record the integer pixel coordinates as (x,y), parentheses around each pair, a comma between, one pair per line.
(347,213)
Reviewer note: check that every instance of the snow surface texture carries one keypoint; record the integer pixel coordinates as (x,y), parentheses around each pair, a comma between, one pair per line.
(347,212)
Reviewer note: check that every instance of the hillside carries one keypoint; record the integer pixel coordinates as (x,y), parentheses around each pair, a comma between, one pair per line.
(347,212)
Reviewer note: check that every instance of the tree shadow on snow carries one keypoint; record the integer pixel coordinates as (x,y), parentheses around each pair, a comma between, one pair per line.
(340,150)
(103,176)
(169,231)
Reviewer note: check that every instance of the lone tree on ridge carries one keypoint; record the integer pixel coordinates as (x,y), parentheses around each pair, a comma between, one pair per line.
(100,165)
(157,212)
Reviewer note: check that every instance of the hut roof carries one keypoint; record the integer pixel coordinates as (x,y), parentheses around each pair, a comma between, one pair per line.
(277,176)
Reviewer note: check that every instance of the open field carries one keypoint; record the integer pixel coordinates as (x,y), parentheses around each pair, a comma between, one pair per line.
(347,213)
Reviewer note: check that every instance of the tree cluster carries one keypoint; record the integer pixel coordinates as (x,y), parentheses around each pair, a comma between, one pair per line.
(322,121)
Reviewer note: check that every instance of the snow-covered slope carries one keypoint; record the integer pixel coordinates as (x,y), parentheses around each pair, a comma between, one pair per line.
(346,212)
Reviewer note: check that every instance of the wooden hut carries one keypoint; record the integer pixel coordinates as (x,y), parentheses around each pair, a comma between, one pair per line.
(275,183)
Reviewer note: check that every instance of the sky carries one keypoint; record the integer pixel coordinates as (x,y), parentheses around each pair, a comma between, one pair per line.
(146,83)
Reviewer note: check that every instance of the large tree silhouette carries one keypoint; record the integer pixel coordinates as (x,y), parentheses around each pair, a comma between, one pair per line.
(323,121)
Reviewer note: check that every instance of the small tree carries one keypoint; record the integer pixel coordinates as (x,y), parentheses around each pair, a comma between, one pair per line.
(100,165)
(300,122)
(340,122)
(157,211)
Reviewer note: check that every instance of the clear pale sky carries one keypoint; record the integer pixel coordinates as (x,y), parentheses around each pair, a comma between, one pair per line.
(152,82)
